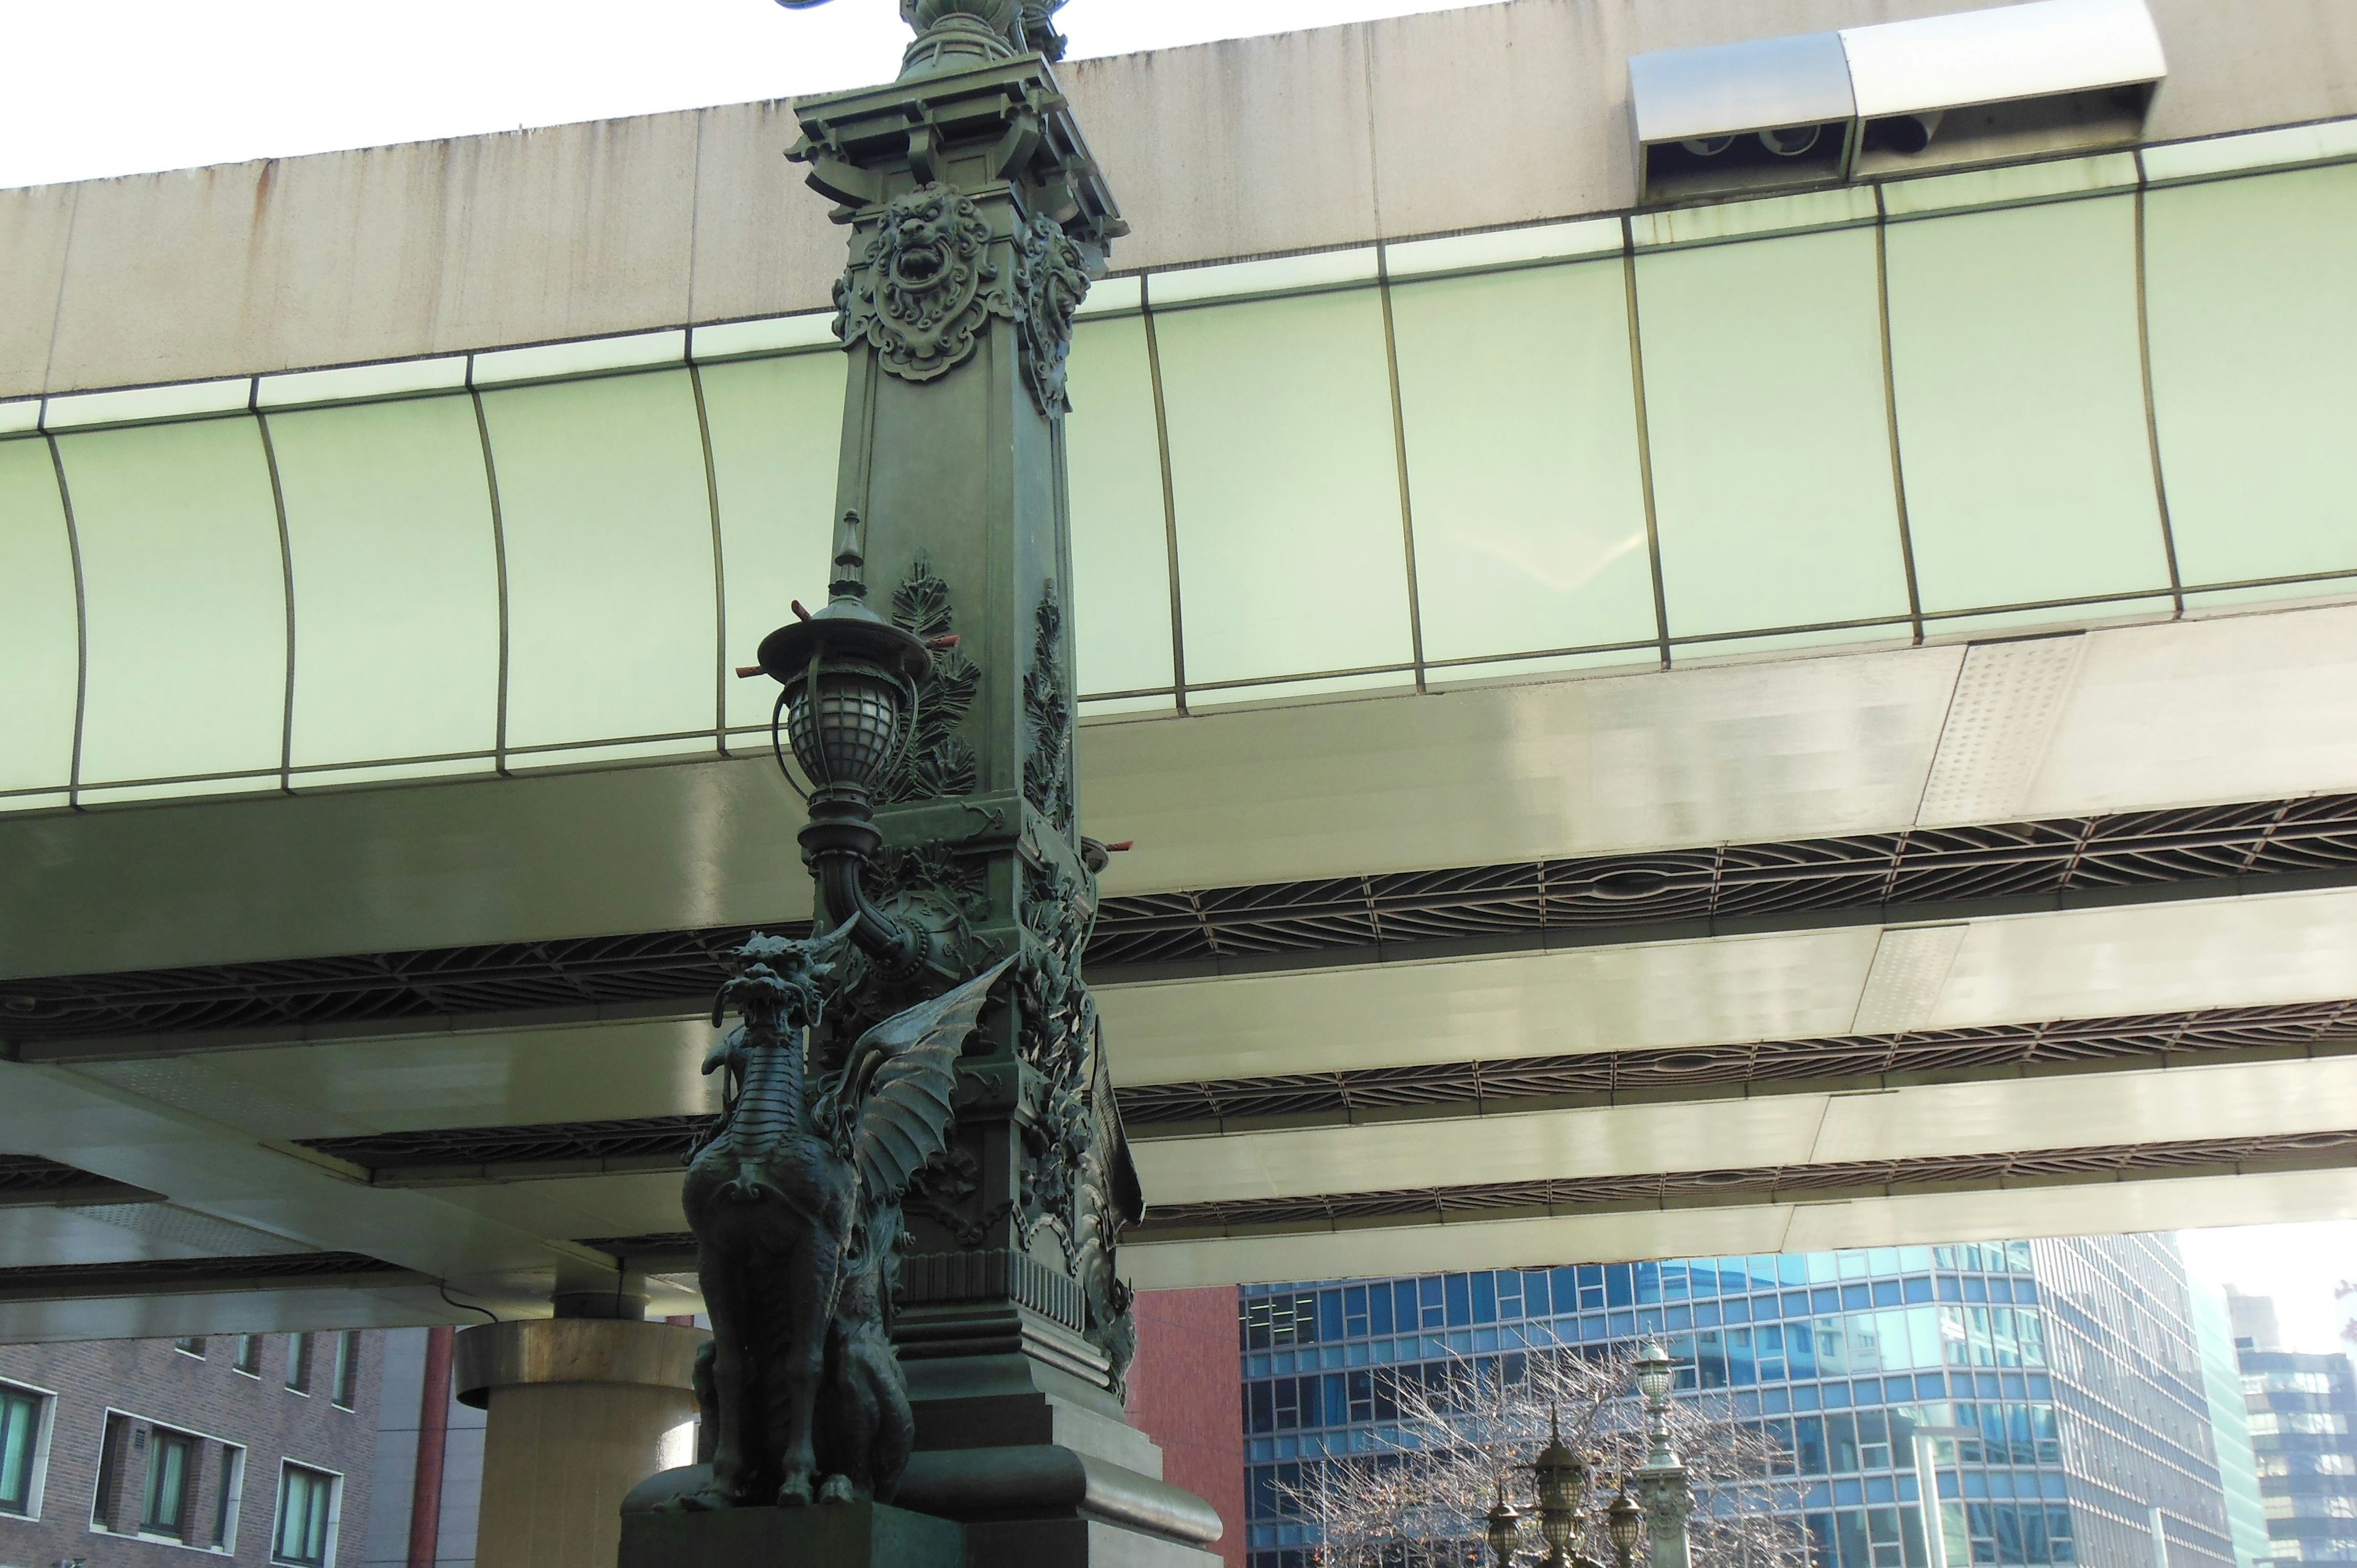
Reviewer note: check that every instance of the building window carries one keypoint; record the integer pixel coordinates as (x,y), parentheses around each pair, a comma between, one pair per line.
(307,1505)
(227,1506)
(298,1362)
(249,1355)
(171,1467)
(190,1345)
(24,1418)
(348,1369)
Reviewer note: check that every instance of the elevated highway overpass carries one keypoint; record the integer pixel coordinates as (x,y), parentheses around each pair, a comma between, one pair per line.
(1775,725)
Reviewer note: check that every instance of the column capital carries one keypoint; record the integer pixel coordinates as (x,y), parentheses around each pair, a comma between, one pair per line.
(489,1356)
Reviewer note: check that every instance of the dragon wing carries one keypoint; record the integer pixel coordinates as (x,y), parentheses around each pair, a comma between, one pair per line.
(902,1079)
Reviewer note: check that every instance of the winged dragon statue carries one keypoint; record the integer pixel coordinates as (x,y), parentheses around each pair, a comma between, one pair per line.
(795,1202)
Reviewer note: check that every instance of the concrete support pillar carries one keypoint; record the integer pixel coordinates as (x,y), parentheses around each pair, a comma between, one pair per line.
(581,1409)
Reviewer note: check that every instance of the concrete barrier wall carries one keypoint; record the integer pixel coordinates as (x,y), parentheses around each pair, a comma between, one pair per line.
(1434,124)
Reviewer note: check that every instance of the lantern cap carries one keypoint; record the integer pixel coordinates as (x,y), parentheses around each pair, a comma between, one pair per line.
(846,627)
(1557,1454)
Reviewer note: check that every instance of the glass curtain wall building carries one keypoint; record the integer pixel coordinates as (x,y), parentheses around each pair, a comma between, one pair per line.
(2229,1428)
(2302,1408)
(2062,1379)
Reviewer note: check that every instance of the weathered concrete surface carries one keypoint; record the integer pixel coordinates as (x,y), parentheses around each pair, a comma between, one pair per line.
(1452,120)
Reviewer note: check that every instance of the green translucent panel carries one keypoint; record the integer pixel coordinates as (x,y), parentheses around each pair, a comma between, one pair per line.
(1770,442)
(396,580)
(777,438)
(1290,554)
(185,597)
(2254,322)
(2020,396)
(1121,554)
(1521,458)
(609,529)
(36,623)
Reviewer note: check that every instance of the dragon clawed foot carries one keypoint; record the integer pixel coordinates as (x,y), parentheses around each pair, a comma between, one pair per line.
(836,1490)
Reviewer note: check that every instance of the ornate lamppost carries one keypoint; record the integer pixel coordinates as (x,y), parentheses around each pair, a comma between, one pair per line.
(1663,1488)
(1560,1477)
(929,1314)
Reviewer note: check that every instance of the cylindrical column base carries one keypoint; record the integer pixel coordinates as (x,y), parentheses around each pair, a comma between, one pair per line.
(581,1409)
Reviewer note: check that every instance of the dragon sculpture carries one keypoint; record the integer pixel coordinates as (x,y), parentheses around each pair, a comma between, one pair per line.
(795,1202)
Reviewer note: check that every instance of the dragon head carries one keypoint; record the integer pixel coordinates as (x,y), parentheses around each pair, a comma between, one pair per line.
(779,985)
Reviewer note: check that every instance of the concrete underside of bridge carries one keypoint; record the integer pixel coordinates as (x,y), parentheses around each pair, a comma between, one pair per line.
(1677,962)
(1926,942)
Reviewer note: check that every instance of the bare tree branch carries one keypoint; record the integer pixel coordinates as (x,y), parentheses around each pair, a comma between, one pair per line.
(1452,1433)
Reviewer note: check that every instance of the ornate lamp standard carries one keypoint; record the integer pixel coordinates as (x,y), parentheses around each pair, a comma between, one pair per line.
(933,720)
(1560,1476)
(1661,1481)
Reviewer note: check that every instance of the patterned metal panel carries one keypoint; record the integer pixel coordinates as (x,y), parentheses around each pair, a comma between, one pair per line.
(1759,1185)
(653,1140)
(1928,866)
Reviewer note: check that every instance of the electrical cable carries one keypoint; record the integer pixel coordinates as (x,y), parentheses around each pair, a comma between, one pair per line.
(464,1305)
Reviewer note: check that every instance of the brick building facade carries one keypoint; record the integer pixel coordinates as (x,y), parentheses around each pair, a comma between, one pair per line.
(133,1453)
(1184,1389)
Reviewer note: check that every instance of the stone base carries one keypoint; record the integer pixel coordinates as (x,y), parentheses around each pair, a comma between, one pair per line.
(1021,1509)
(831,1535)
(1075,1543)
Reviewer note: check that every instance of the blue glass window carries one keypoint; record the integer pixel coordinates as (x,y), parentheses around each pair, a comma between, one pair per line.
(1536,1294)
(1485,1297)
(1856,1296)
(1886,1292)
(1826,1299)
(1329,1314)
(1649,1285)
(1919,1289)
(1461,1303)
(1620,1290)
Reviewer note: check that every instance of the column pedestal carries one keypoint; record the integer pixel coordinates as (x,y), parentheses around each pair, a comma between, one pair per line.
(581,1409)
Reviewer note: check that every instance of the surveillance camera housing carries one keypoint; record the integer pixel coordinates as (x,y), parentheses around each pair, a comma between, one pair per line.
(1987,86)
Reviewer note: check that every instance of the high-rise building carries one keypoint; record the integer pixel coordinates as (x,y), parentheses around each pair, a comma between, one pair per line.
(121,1453)
(2230,1429)
(2302,1408)
(2058,1385)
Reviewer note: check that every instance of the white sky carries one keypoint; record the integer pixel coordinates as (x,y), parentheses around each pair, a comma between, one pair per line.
(92,88)
(2296,1265)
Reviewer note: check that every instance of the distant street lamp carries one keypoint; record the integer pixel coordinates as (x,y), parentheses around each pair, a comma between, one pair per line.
(1506,1529)
(1624,1521)
(1561,1478)
(1663,1488)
